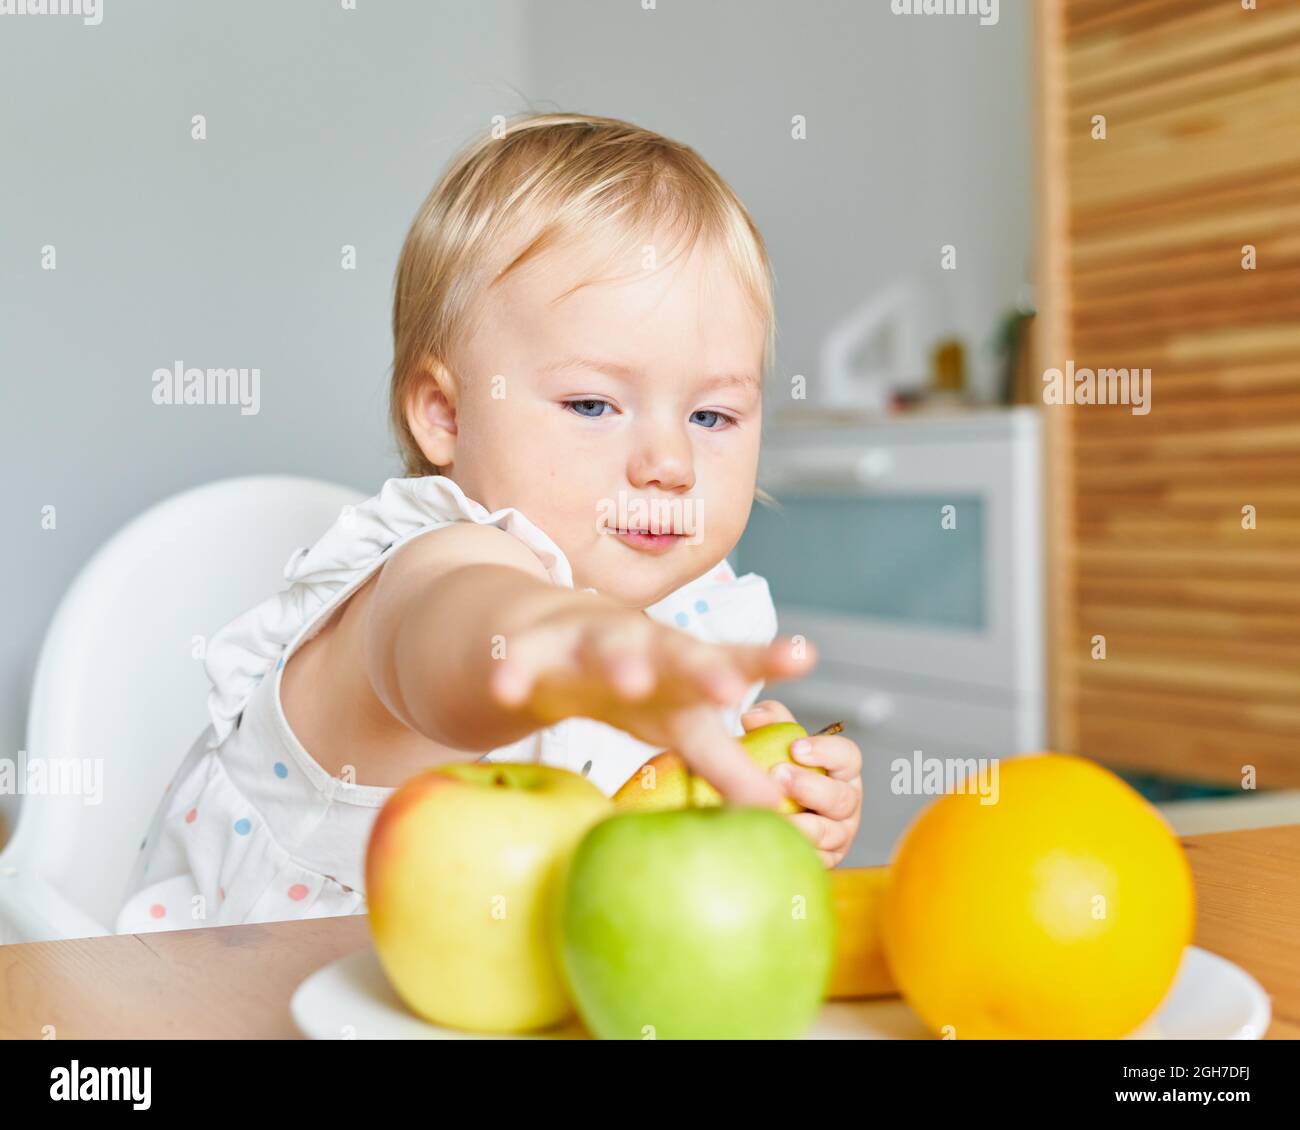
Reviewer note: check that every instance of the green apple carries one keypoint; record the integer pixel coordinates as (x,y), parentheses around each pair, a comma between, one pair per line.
(463,868)
(665,781)
(698,923)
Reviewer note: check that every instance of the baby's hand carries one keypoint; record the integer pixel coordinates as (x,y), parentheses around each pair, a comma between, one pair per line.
(659,684)
(834,801)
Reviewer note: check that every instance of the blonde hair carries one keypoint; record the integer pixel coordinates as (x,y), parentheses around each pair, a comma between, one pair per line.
(548,179)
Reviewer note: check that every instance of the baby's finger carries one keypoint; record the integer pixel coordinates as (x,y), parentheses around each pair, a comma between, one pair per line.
(618,657)
(819,831)
(774,662)
(836,800)
(765,713)
(787,657)
(701,737)
(526,658)
(839,756)
(696,664)
(512,680)
(833,839)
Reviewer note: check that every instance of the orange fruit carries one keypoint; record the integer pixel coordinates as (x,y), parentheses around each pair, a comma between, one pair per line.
(859,968)
(1061,910)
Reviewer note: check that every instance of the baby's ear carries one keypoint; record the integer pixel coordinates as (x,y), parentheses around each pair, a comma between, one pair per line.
(434,371)
(431,413)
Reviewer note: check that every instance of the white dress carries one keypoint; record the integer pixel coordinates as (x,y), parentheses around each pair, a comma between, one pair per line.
(252,828)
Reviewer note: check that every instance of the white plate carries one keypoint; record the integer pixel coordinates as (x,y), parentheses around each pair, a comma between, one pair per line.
(1211,999)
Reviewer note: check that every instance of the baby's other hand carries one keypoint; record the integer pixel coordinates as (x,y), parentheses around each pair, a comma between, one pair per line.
(834,801)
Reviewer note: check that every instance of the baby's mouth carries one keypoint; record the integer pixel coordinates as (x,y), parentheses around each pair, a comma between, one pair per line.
(644,540)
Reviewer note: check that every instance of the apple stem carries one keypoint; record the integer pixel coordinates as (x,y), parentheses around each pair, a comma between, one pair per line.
(833,728)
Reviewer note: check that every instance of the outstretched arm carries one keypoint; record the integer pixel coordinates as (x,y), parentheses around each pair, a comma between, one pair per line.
(469,643)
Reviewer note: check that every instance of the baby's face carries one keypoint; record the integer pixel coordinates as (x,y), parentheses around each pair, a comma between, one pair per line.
(659,428)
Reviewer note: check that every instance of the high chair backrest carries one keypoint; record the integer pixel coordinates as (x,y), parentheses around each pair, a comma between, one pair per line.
(120,692)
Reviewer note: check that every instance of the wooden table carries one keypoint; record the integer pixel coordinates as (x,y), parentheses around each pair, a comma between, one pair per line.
(235,981)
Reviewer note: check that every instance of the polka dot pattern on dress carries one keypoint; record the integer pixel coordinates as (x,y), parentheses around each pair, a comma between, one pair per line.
(157,910)
(243,825)
(298,892)
(281,770)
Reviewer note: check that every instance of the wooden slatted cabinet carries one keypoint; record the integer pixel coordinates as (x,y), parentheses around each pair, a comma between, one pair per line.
(1141,265)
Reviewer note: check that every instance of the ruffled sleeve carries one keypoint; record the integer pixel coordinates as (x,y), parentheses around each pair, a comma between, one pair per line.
(322,575)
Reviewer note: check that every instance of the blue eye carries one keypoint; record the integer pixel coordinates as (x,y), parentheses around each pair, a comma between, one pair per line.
(577,406)
(716,415)
(590,408)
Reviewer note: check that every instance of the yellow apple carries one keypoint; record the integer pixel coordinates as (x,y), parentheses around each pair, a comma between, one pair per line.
(662,782)
(769,746)
(665,782)
(462,869)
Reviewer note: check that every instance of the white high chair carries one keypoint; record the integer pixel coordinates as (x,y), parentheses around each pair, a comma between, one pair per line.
(117,681)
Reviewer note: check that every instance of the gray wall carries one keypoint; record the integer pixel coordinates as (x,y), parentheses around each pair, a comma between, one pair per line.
(917,136)
(328,127)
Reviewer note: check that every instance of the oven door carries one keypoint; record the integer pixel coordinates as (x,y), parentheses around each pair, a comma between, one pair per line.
(909,552)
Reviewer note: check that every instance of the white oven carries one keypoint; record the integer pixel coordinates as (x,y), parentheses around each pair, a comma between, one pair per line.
(910,552)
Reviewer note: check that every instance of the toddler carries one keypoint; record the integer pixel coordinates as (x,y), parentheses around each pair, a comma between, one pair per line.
(582,321)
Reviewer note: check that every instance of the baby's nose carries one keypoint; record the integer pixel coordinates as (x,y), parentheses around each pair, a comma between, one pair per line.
(665,462)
